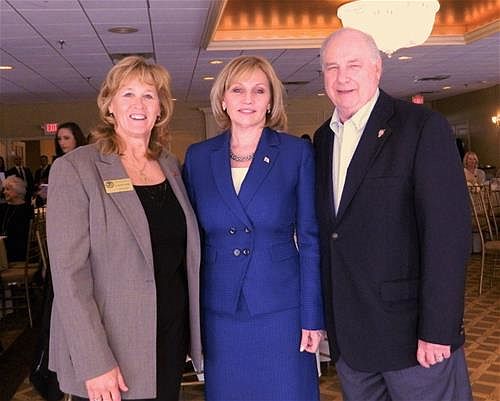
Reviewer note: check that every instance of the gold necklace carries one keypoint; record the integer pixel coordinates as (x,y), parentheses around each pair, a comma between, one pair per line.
(143,176)
(139,170)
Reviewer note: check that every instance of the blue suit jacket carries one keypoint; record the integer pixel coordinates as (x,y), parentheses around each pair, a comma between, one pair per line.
(393,258)
(248,238)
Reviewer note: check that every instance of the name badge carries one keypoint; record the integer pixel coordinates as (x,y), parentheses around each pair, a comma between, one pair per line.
(121,185)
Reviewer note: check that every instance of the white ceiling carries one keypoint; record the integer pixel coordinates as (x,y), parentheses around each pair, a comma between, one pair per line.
(173,30)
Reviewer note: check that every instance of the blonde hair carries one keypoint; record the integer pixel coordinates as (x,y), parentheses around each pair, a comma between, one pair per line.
(467,155)
(104,134)
(276,119)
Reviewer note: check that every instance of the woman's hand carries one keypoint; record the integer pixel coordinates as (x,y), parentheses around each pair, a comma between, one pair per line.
(106,387)
(310,340)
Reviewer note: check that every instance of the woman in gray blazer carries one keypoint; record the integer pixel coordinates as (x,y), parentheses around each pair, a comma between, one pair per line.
(124,250)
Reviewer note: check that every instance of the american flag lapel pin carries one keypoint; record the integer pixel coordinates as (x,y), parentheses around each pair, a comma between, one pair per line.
(381,132)
(267,160)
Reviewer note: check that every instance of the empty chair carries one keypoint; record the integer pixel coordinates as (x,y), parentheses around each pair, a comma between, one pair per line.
(482,225)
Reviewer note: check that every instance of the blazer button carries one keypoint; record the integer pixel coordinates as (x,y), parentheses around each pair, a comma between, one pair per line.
(232,231)
(247,230)
(335,236)
(236,252)
(246,252)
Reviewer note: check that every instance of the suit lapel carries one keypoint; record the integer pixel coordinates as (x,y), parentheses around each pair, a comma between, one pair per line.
(128,203)
(326,166)
(374,136)
(221,171)
(265,158)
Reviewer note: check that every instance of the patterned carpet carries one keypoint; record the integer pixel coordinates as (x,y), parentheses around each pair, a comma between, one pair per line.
(482,323)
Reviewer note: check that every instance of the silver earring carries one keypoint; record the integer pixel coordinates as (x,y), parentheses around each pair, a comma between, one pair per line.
(268,110)
(223,107)
(158,118)
(111,114)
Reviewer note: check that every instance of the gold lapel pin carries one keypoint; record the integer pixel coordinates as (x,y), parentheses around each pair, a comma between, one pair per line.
(381,133)
(267,160)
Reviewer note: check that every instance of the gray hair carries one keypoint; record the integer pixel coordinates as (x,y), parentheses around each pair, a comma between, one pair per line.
(17,184)
(370,42)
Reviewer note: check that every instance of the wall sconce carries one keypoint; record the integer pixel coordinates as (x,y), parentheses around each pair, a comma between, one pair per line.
(496,120)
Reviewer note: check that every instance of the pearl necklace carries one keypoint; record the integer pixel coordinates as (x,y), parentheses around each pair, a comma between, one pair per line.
(238,158)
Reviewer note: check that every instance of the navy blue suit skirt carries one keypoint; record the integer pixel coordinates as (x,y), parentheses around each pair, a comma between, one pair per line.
(257,358)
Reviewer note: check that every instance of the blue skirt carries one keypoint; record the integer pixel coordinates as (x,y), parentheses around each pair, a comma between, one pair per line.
(257,358)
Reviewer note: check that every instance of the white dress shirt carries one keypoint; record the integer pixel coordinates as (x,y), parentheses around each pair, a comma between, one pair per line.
(347,136)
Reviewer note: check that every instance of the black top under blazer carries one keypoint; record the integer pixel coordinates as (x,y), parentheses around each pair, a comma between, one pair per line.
(393,259)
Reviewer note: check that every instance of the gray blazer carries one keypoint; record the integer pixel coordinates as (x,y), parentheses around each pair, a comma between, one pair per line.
(104,311)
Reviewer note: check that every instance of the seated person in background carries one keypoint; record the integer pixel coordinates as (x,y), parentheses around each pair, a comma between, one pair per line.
(473,175)
(15,216)
(39,198)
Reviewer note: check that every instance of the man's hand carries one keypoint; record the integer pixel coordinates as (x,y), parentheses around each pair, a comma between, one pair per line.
(429,354)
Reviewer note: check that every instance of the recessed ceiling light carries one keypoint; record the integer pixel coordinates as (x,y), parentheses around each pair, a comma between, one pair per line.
(122,29)
(402,58)
(446,87)
(215,62)
(321,94)
(208,78)
(174,99)
(6,67)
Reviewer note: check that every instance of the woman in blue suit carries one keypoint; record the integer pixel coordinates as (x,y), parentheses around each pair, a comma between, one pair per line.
(253,190)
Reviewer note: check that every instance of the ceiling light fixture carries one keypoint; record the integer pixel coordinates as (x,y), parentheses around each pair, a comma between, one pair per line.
(404,58)
(393,24)
(123,29)
(215,62)
(6,67)
(446,87)
(321,94)
(208,78)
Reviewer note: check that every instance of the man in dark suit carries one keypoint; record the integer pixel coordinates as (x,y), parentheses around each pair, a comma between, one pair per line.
(24,173)
(395,235)
(43,171)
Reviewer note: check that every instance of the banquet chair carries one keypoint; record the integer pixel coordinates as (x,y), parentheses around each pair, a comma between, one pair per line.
(495,198)
(481,224)
(489,203)
(41,239)
(19,276)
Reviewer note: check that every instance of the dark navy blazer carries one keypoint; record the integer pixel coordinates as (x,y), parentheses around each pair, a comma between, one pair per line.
(393,258)
(248,238)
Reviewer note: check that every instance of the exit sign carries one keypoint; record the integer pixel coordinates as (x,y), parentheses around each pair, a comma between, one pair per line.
(50,128)
(418,99)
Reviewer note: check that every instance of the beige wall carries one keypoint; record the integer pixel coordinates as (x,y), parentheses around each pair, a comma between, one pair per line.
(474,109)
